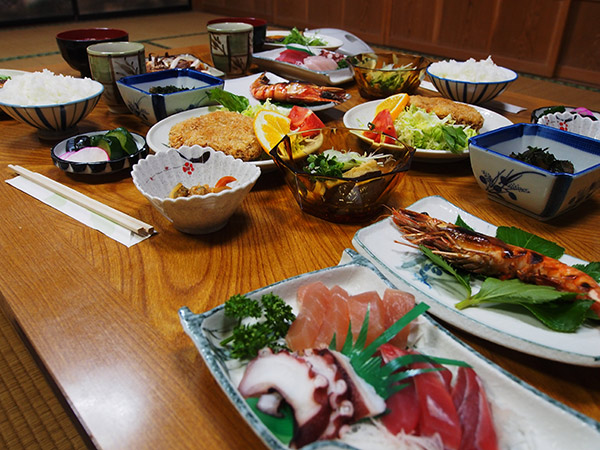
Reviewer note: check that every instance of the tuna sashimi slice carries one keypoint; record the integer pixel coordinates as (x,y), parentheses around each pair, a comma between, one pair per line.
(403,407)
(437,411)
(313,299)
(358,306)
(395,305)
(478,432)
(336,320)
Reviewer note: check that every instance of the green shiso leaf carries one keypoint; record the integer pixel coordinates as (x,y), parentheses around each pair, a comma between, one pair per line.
(521,238)
(282,427)
(592,269)
(232,102)
(565,317)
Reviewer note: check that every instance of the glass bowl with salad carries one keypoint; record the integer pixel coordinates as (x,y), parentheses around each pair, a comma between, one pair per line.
(379,75)
(337,175)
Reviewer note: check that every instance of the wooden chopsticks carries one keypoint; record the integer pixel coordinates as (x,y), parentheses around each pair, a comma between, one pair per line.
(128,222)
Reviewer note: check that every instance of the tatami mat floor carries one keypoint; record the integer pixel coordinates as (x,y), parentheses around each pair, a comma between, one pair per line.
(31,416)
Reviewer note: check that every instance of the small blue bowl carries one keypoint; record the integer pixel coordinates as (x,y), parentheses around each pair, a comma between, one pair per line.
(152,108)
(528,188)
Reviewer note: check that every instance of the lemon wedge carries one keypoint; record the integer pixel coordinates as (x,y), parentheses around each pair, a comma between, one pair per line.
(394,103)
(270,127)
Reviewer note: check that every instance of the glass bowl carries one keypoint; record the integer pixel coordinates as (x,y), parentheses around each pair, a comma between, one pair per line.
(379,75)
(351,197)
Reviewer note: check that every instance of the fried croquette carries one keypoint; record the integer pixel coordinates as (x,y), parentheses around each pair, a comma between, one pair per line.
(229,132)
(461,114)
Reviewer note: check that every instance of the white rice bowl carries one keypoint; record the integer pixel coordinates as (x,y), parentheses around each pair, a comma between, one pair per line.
(46,88)
(471,70)
(52,103)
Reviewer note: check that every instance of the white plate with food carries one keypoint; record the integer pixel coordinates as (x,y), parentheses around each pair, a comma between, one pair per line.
(155,63)
(321,67)
(243,86)
(360,115)
(384,245)
(158,136)
(521,416)
(316,40)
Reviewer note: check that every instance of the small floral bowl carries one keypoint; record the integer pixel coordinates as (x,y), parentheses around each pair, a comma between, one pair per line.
(533,190)
(157,175)
(576,120)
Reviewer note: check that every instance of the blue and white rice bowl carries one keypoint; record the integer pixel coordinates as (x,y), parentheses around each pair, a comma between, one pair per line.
(54,120)
(525,187)
(474,92)
(152,108)
(100,167)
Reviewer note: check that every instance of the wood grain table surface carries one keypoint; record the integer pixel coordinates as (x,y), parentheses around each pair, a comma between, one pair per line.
(102,318)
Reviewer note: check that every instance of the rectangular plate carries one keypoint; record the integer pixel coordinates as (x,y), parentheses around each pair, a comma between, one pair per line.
(266,61)
(510,329)
(524,417)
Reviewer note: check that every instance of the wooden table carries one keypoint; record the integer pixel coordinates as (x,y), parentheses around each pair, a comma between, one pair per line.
(102,318)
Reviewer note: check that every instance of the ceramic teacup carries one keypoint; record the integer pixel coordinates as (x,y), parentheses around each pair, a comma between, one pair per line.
(111,61)
(231,46)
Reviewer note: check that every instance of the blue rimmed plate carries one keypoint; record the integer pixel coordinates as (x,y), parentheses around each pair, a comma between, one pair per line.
(521,332)
(524,417)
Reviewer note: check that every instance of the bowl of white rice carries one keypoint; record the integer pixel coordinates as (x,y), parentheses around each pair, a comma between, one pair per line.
(53,104)
(470,81)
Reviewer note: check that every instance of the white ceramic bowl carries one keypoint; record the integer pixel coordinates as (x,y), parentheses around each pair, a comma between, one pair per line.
(157,175)
(568,118)
(468,91)
(152,108)
(525,187)
(55,120)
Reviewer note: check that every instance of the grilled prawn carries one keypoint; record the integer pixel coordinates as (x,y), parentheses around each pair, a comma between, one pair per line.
(486,255)
(295,92)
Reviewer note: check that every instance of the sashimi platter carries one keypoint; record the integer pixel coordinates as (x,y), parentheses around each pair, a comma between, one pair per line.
(369,370)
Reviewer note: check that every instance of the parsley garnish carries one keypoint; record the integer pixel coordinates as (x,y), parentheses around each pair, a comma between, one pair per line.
(274,318)
(327,166)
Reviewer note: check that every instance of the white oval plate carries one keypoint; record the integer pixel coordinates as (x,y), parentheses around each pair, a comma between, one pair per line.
(158,136)
(241,86)
(268,61)
(331,43)
(12,72)
(524,417)
(519,332)
(361,115)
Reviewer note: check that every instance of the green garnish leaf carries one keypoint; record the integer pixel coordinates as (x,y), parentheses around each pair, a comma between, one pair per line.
(274,319)
(296,37)
(232,102)
(455,137)
(461,223)
(370,368)
(592,269)
(565,317)
(521,238)
(514,291)
(282,427)
(324,165)
(462,277)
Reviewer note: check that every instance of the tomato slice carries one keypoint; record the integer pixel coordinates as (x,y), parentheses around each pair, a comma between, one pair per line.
(383,123)
(302,119)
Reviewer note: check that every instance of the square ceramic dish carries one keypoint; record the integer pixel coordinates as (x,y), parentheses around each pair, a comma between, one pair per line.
(524,417)
(525,187)
(153,107)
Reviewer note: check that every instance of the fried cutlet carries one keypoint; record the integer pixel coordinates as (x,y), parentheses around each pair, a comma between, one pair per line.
(229,132)
(461,114)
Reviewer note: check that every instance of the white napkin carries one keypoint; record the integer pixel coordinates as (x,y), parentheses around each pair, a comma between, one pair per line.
(83,215)
(494,104)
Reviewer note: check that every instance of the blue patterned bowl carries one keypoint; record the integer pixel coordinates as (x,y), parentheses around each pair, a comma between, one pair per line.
(475,93)
(54,120)
(530,189)
(154,107)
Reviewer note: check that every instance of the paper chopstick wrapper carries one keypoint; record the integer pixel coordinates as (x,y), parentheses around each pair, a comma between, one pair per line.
(119,226)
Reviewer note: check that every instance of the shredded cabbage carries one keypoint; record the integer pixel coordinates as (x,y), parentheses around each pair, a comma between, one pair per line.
(421,129)
(252,111)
